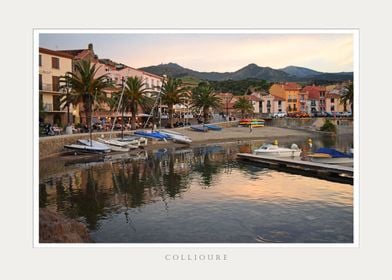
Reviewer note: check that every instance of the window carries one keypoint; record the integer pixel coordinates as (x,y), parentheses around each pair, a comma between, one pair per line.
(55,83)
(56,102)
(55,63)
(332,100)
(279,102)
(40,82)
(332,108)
(40,60)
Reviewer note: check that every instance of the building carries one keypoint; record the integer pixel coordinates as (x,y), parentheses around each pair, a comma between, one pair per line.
(117,73)
(316,98)
(289,93)
(52,66)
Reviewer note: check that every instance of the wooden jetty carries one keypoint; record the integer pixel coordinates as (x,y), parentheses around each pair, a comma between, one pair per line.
(337,173)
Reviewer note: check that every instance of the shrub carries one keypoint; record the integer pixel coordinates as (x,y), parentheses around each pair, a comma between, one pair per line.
(328,126)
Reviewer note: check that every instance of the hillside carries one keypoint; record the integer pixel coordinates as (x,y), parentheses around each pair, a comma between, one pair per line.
(251,71)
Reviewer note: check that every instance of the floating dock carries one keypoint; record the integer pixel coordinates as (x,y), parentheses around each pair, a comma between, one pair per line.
(337,173)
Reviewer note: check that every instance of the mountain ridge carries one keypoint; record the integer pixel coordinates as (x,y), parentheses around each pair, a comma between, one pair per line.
(250,71)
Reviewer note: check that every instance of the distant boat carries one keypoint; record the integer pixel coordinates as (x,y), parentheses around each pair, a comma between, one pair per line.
(176,136)
(213,127)
(201,128)
(276,151)
(331,156)
(253,122)
(152,134)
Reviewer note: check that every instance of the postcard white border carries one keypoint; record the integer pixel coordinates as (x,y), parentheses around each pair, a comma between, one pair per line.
(356,193)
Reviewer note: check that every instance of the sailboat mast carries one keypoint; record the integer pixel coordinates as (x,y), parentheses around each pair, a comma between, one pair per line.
(118,108)
(91,120)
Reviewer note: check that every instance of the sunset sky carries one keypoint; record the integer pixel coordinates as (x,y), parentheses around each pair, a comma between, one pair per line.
(215,52)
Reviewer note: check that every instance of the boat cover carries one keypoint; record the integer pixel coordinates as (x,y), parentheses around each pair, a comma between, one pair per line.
(334,153)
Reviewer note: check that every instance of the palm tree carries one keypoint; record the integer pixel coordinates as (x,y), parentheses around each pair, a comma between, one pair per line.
(243,105)
(204,98)
(348,96)
(134,96)
(85,87)
(173,92)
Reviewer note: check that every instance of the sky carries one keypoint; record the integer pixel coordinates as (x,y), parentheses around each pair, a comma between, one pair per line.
(332,52)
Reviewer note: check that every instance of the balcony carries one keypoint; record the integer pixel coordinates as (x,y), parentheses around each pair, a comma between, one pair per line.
(292,100)
(47,87)
(49,107)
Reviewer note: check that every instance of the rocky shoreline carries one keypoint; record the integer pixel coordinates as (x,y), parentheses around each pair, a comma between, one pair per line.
(55,228)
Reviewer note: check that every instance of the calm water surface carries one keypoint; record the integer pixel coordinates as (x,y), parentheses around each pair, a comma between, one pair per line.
(199,195)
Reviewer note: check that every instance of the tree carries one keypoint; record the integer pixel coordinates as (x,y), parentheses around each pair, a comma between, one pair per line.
(134,96)
(203,98)
(348,96)
(85,87)
(173,92)
(243,105)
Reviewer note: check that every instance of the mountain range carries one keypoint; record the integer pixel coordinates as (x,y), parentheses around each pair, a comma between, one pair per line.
(251,71)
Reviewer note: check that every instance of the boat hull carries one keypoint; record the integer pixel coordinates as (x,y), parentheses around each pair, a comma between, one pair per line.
(292,153)
(199,128)
(86,149)
(213,127)
(340,161)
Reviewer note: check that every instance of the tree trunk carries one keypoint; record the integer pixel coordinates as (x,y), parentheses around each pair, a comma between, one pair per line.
(133,118)
(87,112)
(205,115)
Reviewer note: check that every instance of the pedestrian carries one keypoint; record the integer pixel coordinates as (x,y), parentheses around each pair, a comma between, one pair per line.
(250,128)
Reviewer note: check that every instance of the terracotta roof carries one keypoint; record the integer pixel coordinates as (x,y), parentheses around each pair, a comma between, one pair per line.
(332,95)
(292,86)
(56,53)
(278,98)
(252,98)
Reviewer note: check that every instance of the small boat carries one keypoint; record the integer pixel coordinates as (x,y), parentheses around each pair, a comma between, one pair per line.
(213,127)
(88,148)
(199,128)
(118,146)
(253,122)
(152,134)
(276,151)
(331,156)
(133,140)
(176,136)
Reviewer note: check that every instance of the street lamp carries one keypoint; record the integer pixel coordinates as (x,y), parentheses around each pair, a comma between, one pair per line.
(68,129)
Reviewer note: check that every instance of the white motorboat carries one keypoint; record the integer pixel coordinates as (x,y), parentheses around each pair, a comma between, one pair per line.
(176,136)
(276,151)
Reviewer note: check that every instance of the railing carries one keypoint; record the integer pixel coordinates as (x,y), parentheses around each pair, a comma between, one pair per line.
(49,107)
(292,100)
(47,87)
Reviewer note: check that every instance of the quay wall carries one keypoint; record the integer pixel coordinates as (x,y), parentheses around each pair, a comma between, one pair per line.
(52,145)
(307,122)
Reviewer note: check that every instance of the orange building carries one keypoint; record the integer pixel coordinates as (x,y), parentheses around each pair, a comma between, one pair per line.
(289,92)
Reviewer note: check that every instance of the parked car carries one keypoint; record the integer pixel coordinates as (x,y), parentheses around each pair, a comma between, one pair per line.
(279,114)
(346,114)
(319,114)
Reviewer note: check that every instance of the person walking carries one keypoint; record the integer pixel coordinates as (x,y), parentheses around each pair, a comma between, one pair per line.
(250,128)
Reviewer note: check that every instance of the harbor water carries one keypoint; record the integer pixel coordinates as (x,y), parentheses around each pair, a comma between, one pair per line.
(199,194)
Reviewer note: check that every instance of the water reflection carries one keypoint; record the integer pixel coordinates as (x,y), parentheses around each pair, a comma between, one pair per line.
(200,195)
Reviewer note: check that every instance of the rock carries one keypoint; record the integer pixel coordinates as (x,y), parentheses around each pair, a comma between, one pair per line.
(55,228)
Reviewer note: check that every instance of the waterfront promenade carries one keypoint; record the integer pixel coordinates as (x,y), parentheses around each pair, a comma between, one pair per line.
(53,145)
